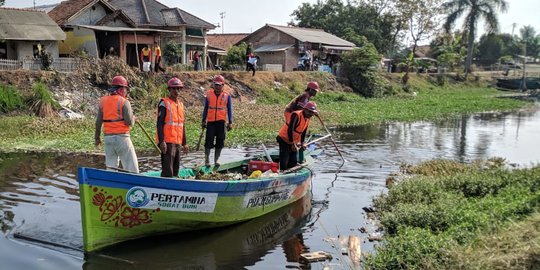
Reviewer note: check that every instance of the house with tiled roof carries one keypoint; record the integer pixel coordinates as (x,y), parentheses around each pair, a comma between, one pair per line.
(218,44)
(24,33)
(127,25)
(284,45)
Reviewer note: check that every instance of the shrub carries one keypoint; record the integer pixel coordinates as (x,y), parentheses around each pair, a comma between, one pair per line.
(41,102)
(172,52)
(10,99)
(236,55)
(361,68)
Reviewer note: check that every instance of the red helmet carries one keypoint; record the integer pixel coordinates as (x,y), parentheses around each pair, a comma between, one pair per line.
(175,83)
(119,81)
(218,79)
(313,85)
(312,107)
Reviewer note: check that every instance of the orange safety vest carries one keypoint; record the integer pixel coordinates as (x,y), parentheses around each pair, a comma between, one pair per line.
(173,129)
(297,132)
(217,106)
(113,115)
(157,51)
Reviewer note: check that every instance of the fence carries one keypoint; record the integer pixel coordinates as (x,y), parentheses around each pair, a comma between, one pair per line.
(6,64)
(59,64)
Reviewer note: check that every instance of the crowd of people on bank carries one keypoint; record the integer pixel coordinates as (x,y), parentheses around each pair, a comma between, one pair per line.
(115,118)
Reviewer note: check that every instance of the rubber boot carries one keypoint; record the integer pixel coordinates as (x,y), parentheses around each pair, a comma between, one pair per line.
(207,157)
(216,156)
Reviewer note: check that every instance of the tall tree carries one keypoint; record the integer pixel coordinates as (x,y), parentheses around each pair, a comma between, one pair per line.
(339,18)
(527,36)
(474,10)
(1,3)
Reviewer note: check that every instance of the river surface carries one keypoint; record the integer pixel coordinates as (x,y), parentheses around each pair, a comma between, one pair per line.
(39,201)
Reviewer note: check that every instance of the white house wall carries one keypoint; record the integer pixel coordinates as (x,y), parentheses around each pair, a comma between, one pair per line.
(25,49)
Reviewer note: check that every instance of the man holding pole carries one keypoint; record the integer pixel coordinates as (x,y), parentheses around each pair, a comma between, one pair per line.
(171,133)
(292,135)
(116,116)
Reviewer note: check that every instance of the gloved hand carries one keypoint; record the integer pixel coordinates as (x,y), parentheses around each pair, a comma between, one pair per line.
(203,125)
(294,148)
(97,143)
(229,127)
(163,148)
(186,149)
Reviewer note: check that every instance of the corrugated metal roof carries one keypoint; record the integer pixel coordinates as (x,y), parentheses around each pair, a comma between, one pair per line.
(273,47)
(16,24)
(176,16)
(312,35)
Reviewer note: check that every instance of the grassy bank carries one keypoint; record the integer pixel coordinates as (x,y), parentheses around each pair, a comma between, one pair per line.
(258,118)
(458,216)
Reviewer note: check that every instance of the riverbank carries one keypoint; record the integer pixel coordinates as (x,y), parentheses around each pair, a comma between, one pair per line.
(258,107)
(451,215)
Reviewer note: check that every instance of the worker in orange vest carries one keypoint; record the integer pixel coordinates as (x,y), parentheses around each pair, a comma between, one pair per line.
(300,101)
(157,60)
(292,135)
(217,110)
(171,132)
(116,116)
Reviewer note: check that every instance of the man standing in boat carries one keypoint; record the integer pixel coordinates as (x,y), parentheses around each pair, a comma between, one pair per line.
(116,116)
(171,132)
(300,101)
(217,110)
(292,135)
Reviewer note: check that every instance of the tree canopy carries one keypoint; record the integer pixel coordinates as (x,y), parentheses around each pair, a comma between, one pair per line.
(474,11)
(350,21)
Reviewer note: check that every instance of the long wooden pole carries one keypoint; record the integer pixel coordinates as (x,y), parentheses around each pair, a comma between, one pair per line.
(200,139)
(148,136)
(331,138)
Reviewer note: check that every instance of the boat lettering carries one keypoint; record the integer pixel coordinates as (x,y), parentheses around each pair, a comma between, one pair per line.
(267,199)
(160,197)
(171,200)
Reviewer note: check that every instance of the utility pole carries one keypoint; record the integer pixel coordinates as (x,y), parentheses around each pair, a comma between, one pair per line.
(222,24)
(34,4)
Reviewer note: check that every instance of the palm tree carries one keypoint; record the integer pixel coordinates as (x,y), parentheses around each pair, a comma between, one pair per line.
(474,10)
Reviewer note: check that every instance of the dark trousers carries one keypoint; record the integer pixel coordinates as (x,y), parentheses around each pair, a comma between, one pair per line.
(251,67)
(215,131)
(170,161)
(287,158)
(157,67)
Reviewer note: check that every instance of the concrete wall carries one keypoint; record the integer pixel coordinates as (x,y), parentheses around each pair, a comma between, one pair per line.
(90,16)
(25,49)
(269,36)
(77,39)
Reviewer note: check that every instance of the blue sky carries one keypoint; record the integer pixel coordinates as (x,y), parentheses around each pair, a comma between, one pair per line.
(246,16)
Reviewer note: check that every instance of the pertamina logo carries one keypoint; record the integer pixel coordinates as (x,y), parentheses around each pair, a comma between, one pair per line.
(137,197)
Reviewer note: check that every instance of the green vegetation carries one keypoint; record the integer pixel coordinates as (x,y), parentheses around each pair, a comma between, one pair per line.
(10,99)
(450,214)
(259,122)
(41,102)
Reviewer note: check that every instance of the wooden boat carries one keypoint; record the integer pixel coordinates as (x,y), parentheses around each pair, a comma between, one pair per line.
(119,206)
(517,83)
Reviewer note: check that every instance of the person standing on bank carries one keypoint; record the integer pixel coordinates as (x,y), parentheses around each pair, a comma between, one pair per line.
(300,101)
(146,57)
(171,132)
(292,135)
(157,59)
(116,116)
(217,110)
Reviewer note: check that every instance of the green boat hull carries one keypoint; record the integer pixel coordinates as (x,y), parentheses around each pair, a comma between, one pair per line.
(117,207)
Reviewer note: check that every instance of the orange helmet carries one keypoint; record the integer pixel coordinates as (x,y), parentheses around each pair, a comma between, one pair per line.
(175,83)
(119,81)
(313,85)
(312,107)
(218,79)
